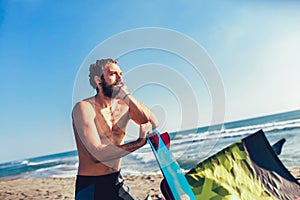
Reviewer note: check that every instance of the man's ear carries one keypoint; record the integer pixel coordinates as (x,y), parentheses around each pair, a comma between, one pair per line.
(97,80)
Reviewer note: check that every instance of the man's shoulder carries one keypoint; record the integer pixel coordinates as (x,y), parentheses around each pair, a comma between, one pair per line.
(83,106)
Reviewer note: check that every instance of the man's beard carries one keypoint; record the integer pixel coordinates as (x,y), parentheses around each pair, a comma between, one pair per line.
(110,91)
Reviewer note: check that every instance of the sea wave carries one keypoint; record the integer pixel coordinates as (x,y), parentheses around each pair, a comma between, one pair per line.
(57,171)
(235,132)
(144,157)
(32,165)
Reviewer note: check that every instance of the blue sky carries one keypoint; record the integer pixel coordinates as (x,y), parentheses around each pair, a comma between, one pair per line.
(254,44)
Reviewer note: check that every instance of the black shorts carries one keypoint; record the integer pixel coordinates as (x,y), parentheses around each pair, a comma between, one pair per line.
(106,187)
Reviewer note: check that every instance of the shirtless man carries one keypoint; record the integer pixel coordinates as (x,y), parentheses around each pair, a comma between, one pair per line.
(99,124)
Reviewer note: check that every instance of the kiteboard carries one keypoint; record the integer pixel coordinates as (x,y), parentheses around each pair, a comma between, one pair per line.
(175,178)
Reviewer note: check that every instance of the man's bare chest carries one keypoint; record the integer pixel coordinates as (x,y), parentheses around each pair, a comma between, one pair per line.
(111,122)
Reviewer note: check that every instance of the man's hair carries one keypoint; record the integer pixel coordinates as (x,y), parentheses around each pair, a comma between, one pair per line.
(97,68)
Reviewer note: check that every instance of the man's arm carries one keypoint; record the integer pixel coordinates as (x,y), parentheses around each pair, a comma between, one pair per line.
(83,116)
(139,113)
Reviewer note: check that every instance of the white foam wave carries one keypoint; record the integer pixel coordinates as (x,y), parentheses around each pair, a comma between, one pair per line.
(42,162)
(24,162)
(144,157)
(235,132)
(59,171)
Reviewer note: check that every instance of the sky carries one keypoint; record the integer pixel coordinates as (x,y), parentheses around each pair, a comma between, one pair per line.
(45,44)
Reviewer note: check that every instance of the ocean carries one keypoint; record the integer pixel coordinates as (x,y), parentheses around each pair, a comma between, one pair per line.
(189,147)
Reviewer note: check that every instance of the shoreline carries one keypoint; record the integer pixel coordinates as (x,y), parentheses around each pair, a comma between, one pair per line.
(63,188)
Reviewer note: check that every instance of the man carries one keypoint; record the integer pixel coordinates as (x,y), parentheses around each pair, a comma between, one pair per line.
(99,124)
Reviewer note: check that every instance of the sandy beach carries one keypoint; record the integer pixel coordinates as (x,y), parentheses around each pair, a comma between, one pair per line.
(63,188)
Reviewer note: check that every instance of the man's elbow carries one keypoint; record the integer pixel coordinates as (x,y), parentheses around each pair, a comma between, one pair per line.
(99,154)
(154,121)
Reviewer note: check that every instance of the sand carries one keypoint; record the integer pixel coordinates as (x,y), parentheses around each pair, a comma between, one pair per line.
(63,188)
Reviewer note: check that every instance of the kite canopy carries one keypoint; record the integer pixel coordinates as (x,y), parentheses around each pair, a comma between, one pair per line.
(247,169)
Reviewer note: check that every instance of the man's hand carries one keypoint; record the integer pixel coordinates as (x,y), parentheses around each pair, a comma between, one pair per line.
(123,92)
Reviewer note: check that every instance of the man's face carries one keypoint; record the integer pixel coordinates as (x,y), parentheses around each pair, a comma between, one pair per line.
(111,80)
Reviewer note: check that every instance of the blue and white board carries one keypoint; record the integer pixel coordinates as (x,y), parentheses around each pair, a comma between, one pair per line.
(171,170)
